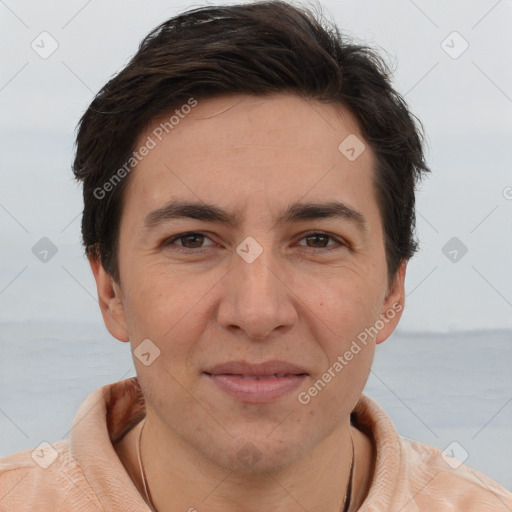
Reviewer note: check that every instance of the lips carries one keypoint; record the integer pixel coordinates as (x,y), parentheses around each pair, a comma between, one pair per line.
(256,382)
(260,377)
(266,369)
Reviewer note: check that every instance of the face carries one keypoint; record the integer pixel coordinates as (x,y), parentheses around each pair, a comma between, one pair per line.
(250,298)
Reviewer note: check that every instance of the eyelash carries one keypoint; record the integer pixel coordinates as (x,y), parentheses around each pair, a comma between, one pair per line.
(168,242)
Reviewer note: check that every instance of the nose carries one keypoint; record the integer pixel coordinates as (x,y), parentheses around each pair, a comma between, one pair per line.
(256,298)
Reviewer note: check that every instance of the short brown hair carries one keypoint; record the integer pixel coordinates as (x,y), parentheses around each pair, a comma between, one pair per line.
(258,48)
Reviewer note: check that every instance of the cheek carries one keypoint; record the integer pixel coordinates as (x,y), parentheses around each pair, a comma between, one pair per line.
(344,314)
(158,299)
(343,306)
(335,390)
(159,310)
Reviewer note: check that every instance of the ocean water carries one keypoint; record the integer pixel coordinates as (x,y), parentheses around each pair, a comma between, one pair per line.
(437,388)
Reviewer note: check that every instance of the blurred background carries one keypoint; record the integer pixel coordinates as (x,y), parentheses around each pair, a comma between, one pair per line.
(444,376)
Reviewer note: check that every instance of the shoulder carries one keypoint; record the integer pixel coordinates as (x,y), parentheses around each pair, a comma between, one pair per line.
(43,478)
(436,478)
(411,476)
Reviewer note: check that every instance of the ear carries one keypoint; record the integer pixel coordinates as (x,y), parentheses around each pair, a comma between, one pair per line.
(110,299)
(393,305)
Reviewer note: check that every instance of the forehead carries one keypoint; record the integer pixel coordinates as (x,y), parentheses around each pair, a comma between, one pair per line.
(282,121)
(241,149)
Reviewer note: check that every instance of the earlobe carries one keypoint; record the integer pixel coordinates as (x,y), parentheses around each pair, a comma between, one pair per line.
(393,305)
(110,299)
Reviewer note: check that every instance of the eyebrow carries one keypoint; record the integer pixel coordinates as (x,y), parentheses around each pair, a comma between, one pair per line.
(296,212)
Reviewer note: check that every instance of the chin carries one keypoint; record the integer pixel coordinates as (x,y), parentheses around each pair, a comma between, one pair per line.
(258,454)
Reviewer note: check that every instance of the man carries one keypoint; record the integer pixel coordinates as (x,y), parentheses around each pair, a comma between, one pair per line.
(249,211)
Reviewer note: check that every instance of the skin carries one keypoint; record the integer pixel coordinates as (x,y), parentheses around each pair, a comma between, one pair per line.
(302,300)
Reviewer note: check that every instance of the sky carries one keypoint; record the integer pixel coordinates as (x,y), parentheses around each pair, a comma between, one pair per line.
(451,62)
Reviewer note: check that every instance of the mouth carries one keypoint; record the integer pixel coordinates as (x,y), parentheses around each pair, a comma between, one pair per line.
(256,382)
(261,377)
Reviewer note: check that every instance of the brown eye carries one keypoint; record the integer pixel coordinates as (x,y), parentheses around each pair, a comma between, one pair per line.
(187,242)
(192,240)
(318,240)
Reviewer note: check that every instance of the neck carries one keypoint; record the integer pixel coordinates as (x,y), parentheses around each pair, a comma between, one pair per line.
(317,482)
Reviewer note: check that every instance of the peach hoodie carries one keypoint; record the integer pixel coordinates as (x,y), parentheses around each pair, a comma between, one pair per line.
(84,473)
